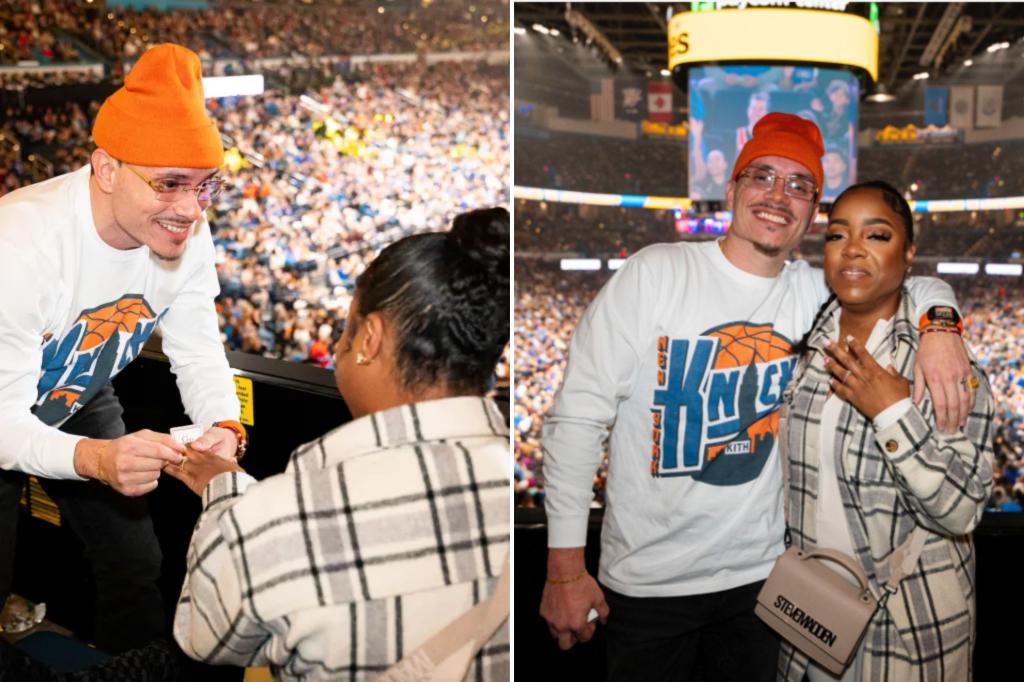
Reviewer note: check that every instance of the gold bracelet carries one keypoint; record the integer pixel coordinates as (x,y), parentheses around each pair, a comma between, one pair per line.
(99,463)
(566,581)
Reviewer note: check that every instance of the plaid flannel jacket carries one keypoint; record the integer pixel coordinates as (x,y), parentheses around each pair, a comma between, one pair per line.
(376,536)
(891,481)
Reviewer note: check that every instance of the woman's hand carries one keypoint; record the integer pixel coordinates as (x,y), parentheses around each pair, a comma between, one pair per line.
(198,468)
(862,382)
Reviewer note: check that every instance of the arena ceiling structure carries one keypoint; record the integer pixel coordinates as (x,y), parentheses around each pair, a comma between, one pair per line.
(951,42)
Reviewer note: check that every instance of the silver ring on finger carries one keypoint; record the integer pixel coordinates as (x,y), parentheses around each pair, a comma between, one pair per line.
(846,376)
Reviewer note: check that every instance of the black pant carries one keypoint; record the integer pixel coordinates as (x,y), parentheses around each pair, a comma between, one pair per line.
(116,531)
(709,637)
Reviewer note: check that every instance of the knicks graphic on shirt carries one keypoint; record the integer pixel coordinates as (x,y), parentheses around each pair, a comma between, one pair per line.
(101,342)
(714,411)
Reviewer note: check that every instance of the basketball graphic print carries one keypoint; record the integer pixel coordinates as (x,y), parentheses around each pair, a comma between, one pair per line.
(714,411)
(122,315)
(742,343)
(90,352)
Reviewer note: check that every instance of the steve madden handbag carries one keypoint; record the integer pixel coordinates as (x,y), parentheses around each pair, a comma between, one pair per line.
(814,608)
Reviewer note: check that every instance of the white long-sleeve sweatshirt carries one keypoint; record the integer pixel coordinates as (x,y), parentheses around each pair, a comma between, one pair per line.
(74,311)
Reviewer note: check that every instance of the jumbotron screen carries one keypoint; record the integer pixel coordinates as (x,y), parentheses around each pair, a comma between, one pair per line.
(726,102)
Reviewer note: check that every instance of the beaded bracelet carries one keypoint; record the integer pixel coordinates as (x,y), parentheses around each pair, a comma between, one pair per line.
(240,434)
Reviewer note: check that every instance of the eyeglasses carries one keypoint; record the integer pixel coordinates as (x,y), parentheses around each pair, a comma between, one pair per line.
(794,185)
(170,190)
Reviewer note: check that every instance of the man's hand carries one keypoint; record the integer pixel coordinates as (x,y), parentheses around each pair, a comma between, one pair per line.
(222,442)
(942,363)
(130,464)
(565,604)
(199,468)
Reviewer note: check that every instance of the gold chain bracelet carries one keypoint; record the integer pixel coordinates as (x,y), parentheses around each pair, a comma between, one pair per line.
(99,463)
(566,581)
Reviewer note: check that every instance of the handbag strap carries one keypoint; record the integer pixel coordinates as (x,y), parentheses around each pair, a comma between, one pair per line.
(480,622)
(465,635)
(902,559)
(782,439)
(843,559)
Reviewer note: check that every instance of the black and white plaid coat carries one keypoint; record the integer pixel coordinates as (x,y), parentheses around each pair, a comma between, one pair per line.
(891,481)
(376,536)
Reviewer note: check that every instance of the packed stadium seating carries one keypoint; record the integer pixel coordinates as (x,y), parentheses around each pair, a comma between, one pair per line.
(330,165)
(589,163)
(594,164)
(549,302)
(589,230)
(66,31)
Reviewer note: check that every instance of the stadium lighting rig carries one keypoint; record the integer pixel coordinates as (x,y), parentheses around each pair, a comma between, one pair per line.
(881,94)
(579,22)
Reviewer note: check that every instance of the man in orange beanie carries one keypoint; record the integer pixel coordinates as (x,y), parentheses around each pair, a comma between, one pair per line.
(92,262)
(683,357)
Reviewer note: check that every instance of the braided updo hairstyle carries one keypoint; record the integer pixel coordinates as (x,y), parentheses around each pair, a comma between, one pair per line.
(447,296)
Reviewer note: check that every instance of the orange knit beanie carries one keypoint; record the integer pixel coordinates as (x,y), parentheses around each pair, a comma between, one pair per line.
(788,136)
(158,118)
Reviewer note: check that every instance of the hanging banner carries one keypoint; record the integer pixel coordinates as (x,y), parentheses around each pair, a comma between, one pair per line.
(989,110)
(936,106)
(961,106)
(630,103)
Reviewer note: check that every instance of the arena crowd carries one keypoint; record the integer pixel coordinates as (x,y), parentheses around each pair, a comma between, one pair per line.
(327,167)
(549,302)
(70,31)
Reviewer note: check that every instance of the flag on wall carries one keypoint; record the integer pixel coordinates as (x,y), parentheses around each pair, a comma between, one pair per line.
(659,101)
(961,106)
(602,99)
(988,110)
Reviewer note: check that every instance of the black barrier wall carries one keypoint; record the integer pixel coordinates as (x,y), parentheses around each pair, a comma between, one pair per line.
(999,542)
(291,404)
